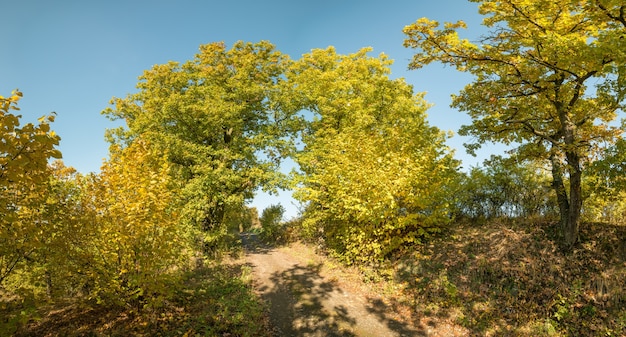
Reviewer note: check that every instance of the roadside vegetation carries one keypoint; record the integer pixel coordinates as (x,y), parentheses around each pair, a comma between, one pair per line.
(529,244)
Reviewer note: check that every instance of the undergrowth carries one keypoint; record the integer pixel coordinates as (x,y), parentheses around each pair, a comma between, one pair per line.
(499,278)
(512,278)
(210,301)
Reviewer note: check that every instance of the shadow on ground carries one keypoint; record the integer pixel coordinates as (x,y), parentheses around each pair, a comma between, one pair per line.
(252,244)
(382,312)
(297,302)
(296,296)
(512,278)
(302,302)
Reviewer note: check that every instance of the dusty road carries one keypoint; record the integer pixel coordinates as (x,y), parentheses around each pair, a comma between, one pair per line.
(302,302)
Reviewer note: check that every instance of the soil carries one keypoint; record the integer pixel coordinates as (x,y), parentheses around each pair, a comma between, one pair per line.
(305,298)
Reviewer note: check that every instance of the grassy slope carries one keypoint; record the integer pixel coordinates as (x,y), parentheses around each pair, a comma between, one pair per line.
(509,278)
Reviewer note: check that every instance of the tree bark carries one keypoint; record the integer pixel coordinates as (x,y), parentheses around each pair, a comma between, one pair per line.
(575,196)
(569,205)
(559,189)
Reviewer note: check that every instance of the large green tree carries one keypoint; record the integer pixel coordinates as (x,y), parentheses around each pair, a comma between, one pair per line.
(549,76)
(373,172)
(215,117)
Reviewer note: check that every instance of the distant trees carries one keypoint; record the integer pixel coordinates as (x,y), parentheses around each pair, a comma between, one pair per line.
(272,222)
(606,183)
(550,76)
(505,187)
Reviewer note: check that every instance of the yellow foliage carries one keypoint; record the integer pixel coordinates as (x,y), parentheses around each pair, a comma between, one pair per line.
(374,172)
(138,240)
(24,154)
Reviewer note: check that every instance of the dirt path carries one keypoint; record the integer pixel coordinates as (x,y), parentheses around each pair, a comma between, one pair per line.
(302,302)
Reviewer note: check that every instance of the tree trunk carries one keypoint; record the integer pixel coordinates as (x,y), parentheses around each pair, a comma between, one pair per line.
(575,196)
(569,206)
(559,189)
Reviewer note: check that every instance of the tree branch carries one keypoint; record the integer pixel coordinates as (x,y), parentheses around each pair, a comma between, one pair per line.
(619,18)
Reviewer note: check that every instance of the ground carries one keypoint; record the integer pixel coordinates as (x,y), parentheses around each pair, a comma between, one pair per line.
(309,295)
(497,278)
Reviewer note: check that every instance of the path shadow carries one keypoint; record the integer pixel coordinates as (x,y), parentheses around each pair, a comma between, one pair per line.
(297,300)
(382,310)
(252,244)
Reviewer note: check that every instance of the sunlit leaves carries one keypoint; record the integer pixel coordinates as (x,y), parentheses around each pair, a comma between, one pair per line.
(535,65)
(373,171)
(214,117)
(24,154)
(549,76)
(138,237)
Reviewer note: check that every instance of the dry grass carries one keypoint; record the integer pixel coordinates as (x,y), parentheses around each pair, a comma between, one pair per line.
(512,278)
(502,278)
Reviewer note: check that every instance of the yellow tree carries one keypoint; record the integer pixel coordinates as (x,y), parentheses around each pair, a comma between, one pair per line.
(374,173)
(549,76)
(65,256)
(24,154)
(138,240)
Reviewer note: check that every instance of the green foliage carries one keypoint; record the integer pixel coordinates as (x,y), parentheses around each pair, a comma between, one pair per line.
(272,225)
(214,116)
(220,301)
(505,187)
(606,183)
(241,218)
(373,172)
(215,300)
(550,76)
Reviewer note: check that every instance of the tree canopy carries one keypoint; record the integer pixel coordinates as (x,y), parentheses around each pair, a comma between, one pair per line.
(214,117)
(373,172)
(550,76)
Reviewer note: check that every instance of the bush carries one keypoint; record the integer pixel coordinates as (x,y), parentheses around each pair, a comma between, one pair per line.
(273,228)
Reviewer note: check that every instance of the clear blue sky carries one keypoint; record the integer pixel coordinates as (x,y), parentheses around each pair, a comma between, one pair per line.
(73,56)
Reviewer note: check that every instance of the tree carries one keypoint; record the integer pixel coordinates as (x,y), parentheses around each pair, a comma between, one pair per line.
(534,76)
(505,187)
(68,233)
(215,118)
(607,185)
(138,240)
(373,172)
(271,221)
(24,154)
